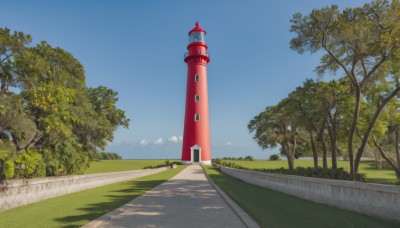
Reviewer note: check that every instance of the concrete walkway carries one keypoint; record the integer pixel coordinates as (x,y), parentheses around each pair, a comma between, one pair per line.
(186,200)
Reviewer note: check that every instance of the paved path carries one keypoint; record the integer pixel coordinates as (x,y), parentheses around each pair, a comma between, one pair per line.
(186,200)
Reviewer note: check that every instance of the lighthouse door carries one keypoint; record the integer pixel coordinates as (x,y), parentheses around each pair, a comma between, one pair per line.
(196,155)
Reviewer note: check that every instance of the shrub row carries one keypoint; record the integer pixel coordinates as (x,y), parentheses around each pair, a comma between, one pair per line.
(166,163)
(338,174)
(247,158)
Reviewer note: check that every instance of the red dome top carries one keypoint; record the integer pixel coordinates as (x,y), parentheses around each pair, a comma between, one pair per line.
(197,29)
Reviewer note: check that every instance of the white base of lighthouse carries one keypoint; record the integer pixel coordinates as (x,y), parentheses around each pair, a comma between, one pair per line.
(201,162)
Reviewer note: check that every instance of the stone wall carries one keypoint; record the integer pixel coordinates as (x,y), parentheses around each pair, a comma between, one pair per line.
(16,193)
(372,199)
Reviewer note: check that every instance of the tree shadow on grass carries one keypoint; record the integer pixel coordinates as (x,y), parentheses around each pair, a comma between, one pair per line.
(370,165)
(114,199)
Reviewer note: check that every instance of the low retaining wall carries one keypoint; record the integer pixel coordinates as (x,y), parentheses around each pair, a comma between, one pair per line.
(372,199)
(26,191)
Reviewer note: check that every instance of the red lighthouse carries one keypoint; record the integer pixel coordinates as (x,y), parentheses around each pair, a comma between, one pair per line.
(196,133)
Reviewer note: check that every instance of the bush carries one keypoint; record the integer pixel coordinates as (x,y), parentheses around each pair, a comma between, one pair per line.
(362,177)
(166,163)
(30,164)
(338,174)
(274,157)
(249,158)
(216,161)
(395,182)
(107,156)
(232,165)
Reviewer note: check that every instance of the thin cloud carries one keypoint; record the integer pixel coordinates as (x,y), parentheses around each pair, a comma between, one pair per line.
(121,143)
(173,139)
(158,141)
(229,143)
(144,142)
(180,138)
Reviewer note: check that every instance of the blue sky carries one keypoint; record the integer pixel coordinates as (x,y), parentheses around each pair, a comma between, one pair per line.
(137,47)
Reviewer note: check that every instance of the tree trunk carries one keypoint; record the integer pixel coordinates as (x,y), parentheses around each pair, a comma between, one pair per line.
(334,144)
(334,155)
(4,88)
(289,155)
(324,151)
(314,150)
(333,137)
(371,126)
(377,156)
(353,130)
(397,149)
(27,144)
(290,160)
(387,158)
(321,138)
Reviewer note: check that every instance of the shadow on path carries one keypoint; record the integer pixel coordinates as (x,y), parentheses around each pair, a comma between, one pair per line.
(111,199)
(187,200)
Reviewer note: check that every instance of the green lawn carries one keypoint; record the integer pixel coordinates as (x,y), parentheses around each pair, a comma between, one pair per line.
(373,175)
(75,210)
(274,209)
(104,166)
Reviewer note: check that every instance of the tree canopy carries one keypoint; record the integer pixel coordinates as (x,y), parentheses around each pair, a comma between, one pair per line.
(358,111)
(51,123)
(363,44)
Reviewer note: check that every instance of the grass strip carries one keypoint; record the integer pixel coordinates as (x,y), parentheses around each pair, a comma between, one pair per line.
(104,166)
(274,209)
(77,209)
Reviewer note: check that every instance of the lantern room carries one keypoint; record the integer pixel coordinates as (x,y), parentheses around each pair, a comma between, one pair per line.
(197,34)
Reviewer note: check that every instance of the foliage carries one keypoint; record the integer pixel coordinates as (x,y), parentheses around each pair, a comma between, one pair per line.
(375,175)
(216,161)
(107,156)
(247,158)
(6,168)
(338,174)
(230,164)
(29,164)
(166,163)
(274,157)
(355,114)
(55,123)
(6,161)
(394,182)
(362,43)
(275,126)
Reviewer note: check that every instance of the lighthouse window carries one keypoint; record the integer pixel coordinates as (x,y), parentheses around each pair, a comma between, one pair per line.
(196,37)
(196,117)
(197,98)
(196,78)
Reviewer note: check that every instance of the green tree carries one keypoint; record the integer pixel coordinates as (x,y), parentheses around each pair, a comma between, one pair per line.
(248,158)
(55,122)
(363,43)
(385,135)
(276,126)
(10,46)
(311,113)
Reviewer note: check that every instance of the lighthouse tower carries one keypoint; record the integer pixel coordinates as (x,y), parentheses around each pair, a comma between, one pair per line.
(196,135)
